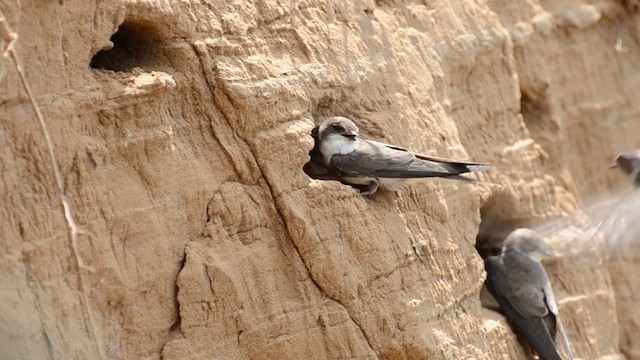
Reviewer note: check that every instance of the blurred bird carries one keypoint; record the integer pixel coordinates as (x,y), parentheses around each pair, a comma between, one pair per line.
(340,154)
(629,163)
(519,283)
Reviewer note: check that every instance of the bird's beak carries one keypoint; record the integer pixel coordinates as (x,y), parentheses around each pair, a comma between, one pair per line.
(549,253)
(350,136)
(613,166)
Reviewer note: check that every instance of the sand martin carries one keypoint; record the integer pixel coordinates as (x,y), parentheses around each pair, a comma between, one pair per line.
(629,163)
(519,283)
(340,154)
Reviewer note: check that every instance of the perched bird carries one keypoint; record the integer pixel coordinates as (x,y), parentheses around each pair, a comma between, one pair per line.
(629,163)
(340,154)
(519,283)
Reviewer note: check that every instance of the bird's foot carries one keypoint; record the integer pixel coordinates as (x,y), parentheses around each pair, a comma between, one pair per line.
(372,188)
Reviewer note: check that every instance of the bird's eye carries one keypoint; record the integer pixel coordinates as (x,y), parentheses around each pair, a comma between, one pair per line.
(337,127)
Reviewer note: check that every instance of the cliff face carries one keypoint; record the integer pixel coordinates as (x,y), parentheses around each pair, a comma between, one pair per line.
(181,145)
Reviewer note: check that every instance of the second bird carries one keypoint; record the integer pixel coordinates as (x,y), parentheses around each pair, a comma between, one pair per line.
(629,163)
(356,161)
(519,283)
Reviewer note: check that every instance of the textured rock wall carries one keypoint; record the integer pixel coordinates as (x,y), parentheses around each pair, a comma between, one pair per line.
(182,141)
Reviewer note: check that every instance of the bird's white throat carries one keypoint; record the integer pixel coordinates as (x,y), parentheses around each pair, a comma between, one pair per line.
(535,256)
(336,144)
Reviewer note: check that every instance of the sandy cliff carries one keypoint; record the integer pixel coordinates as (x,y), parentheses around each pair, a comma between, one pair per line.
(181,129)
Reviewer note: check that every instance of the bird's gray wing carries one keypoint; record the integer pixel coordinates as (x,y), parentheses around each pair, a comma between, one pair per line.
(533,328)
(472,165)
(553,307)
(375,159)
(522,286)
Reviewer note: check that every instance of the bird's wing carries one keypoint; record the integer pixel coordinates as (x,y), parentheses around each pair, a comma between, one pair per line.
(553,308)
(550,298)
(533,328)
(523,286)
(375,159)
(472,165)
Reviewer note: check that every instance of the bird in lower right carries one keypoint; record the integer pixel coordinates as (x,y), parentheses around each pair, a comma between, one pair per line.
(629,163)
(519,283)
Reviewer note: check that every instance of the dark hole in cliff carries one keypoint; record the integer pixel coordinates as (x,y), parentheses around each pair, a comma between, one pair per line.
(135,44)
(538,118)
(535,112)
(315,167)
(496,225)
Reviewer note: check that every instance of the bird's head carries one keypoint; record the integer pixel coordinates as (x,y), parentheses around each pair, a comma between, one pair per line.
(339,126)
(627,161)
(529,243)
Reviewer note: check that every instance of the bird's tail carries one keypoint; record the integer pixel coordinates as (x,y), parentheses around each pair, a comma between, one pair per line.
(469,180)
(478,167)
(459,166)
(565,340)
(453,170)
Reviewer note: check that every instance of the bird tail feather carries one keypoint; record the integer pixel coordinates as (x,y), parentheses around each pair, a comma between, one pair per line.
(565,340)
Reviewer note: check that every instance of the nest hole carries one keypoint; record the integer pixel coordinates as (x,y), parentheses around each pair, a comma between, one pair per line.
(495,226)
(135,44)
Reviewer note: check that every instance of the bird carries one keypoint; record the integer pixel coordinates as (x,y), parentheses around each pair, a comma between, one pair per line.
(519,283)
(629,163)
(340,153)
